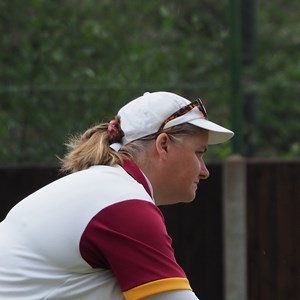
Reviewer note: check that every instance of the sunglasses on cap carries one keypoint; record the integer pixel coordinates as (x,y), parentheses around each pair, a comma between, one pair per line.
(184,110)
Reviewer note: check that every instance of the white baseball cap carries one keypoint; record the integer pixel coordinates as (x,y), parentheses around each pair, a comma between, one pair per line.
(150,113)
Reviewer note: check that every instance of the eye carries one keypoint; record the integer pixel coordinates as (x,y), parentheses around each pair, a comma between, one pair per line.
(200,154)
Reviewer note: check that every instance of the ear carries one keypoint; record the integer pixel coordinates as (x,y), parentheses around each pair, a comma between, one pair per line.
(162,144)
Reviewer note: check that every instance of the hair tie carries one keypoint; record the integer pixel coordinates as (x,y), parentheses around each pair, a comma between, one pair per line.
(115,132)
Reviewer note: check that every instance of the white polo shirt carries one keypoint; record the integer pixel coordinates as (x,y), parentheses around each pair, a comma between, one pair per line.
(94,234)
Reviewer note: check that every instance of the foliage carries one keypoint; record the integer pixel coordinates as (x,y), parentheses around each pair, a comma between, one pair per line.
(65,65)
(278,79)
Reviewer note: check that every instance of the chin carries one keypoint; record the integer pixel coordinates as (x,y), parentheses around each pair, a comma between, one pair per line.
(183,198)
(192,196)
(189,198)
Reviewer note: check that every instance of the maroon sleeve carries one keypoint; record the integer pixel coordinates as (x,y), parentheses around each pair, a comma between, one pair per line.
(130,238)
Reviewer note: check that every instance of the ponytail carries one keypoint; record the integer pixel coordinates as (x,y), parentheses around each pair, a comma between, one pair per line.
(91,148)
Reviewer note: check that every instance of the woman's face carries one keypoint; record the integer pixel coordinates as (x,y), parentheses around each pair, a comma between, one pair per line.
(184,168)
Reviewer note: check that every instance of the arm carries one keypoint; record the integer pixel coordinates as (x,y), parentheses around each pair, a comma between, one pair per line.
(131,239)
(174,295)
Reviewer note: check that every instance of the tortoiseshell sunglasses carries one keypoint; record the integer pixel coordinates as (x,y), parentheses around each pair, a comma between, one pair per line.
(184,110)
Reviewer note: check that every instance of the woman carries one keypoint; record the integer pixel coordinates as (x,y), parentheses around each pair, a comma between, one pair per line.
(97,233)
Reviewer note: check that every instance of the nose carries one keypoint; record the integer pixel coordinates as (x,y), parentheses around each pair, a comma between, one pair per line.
(204,173)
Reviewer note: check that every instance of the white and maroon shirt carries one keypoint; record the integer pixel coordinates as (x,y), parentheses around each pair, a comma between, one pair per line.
(94,234)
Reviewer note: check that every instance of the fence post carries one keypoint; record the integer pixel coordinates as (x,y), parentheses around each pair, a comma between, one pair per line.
(234,229)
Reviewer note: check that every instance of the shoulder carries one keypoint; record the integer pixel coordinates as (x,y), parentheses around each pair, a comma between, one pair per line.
(134,220)
(130,237)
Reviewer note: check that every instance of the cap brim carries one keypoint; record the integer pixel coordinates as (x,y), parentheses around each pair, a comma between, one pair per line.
(217,134)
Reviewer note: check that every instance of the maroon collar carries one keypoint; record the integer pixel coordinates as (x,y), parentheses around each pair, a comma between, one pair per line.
(133,170)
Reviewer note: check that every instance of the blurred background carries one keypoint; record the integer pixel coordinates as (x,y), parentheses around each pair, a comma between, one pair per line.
(66,65)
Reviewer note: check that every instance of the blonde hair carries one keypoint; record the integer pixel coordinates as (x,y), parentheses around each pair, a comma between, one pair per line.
(92,147)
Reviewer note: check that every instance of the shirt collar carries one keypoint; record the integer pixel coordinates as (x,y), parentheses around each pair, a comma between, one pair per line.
(134,171)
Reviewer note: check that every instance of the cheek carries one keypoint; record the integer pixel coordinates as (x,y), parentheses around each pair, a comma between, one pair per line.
(191,168)
(194,162)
